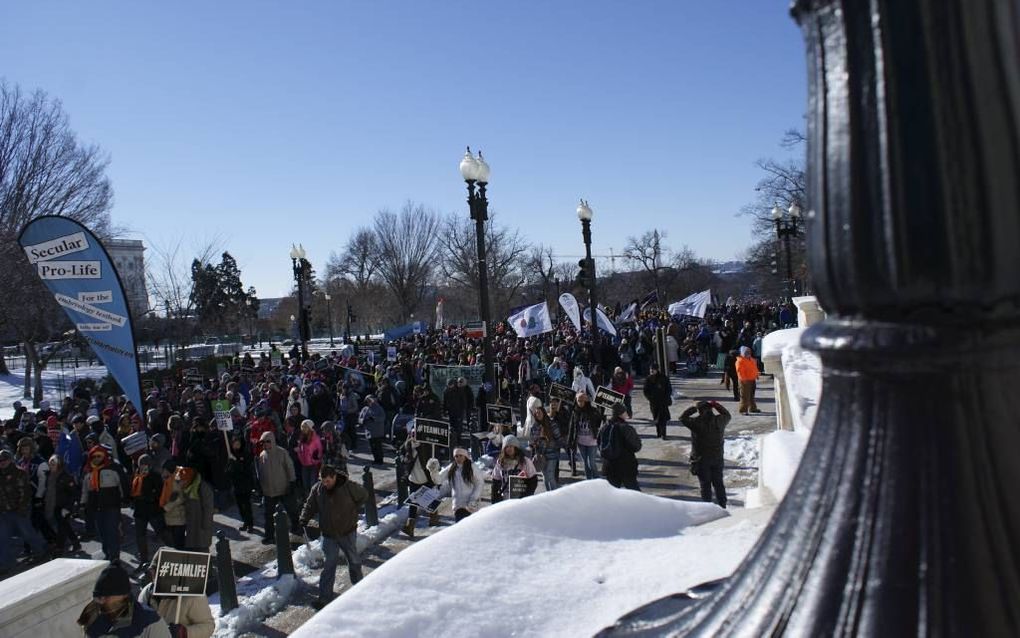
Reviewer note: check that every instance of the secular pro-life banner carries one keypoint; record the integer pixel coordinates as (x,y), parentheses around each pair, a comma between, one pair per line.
(531,321)
(75,267)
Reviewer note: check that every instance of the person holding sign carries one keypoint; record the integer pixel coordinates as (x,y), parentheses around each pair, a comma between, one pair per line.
(512,462)
(584,425)
(415,459)
(462,480)
(335,500)
(111,612)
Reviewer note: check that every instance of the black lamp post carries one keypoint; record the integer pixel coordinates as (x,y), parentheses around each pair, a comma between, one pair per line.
(329,313)
(302,268)
(558,310)
(350,316)
(475,172)
(584,214)
(787,226)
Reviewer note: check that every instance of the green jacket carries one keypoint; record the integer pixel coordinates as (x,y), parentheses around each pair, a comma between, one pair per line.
(338,509)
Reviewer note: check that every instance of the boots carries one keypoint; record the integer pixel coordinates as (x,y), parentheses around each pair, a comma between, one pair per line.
(409,527)
(433,519)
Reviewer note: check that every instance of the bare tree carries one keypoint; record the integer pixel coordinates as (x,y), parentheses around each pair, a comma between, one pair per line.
(648,252)
(358,262)
(44,170)
(408,251)
(504,251)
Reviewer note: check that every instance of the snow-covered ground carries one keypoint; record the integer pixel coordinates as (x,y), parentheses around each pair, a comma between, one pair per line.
(568,562)
(56,385)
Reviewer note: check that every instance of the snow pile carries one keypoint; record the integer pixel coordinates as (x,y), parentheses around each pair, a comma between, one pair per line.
(783,450)
(309,559)
(260,595)
(568,562)
(803,372)
(742,451)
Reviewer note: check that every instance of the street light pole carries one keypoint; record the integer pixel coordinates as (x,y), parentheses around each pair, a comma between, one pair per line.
(584,213)
(301,269)
(347,328)
(329,315)
(787,227)
(475,171)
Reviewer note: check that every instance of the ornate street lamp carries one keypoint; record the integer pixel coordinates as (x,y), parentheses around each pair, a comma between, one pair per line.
(302,269)
(584,213)
(475,172)
(787,226)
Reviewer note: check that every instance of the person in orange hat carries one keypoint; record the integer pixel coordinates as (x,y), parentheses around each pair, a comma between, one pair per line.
(101,496)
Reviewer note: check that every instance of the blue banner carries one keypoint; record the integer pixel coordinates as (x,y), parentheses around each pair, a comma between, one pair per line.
(418,327)
(78,271)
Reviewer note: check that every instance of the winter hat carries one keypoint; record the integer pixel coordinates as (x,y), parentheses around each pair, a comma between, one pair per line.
(17,405)
(159,438)
(44,405)
(6,454)
(52,422)
(460,450)
(91,420)
(113,581)
(511,440)
(268,436)
(619,409)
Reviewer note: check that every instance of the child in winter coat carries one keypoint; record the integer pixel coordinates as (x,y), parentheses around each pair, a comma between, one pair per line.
(461,479)
(171,499)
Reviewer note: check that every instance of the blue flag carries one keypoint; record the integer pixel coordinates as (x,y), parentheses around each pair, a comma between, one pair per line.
(80,274)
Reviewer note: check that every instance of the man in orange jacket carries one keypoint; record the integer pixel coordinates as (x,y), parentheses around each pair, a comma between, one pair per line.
(747,375)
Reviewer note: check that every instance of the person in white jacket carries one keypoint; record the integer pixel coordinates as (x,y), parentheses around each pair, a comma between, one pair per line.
(582,383)
(462,480)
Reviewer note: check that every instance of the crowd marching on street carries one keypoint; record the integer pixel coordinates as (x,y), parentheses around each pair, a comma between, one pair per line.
(76,470)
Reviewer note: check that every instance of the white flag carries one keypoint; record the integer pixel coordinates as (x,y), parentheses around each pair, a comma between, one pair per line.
(693,306)
(569,305)
(531,321)
(604,322)
(439,314)
(629,314)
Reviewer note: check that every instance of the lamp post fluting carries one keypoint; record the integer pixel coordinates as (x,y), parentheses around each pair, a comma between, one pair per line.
(787,226)
(584,213)
(475,172)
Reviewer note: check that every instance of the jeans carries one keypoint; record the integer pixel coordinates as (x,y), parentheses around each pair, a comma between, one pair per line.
(552,464)
(15,524)
(309,475)
(588,456)
(108,524)
(710,475)
(377,451)
(243,499)
(331,548)
(61,524)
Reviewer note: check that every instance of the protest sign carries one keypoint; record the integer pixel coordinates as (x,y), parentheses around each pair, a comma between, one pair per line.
(426,498)
(561,392)
(432,431)
(148,385)
(474,329)
(276,359)
(135,443)
(391,353)
(192,376)
(221,410)
(499,414)
(180,573)
(606,398)
(439,376)
(518,486)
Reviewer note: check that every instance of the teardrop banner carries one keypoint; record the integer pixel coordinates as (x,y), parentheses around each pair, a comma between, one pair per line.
(78,271)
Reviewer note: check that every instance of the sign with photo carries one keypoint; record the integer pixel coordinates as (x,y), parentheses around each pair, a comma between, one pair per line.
(148,385)
(562,392)
(606,398)
(180,573)
(501,414)
(135,443)
(432,431)
(276,358)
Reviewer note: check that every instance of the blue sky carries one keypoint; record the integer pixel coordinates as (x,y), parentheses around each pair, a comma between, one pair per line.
(267,123)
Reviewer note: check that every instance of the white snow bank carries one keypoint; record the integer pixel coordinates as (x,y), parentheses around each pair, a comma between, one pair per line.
(309,559)
(260,595)
(783,450)
(803,372)
(773,344)
(567,562)
(742,451)
(56,385)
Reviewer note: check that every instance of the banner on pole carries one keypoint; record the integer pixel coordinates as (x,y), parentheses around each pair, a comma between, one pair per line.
(604,323)
(77,270)
(695,305)
(531,321)
(439,376)
(569,305)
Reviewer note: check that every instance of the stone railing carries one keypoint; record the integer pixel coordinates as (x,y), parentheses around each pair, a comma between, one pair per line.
(47,600)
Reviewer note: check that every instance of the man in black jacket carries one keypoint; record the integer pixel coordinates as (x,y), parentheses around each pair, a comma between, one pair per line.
(707,431)
(618,444)
(659,393)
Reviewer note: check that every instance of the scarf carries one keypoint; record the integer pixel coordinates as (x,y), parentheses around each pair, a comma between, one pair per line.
(97,469)
(136,485)
(190,489)
(168,489)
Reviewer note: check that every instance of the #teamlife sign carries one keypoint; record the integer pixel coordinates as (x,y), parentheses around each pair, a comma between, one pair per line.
(562,392)
(75,268)
(180,573)
(606,398)
(432,431)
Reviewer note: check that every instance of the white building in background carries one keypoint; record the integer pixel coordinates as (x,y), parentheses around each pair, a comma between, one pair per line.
(129,260)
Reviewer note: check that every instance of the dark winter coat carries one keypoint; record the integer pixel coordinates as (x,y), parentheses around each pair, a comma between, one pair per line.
(198,516)
(707,432)
(146,504)
(15,491)
(659,393)
(338,509)
(622,436)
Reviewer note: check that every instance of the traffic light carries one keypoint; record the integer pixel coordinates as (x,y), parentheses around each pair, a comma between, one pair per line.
(586,273)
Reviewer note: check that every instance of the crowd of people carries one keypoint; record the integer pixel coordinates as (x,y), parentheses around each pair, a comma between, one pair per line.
(282,430)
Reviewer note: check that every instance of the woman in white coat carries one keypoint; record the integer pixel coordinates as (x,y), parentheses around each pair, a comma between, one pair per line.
(462,480)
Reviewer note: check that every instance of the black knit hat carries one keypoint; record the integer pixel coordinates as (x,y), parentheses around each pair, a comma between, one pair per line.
(113,581)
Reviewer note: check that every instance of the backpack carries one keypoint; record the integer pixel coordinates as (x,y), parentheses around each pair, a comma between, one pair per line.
(609,446)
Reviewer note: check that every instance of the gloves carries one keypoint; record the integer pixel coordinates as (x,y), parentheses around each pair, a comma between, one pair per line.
(432,465)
